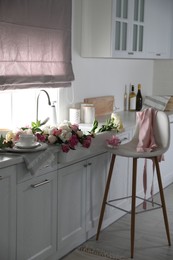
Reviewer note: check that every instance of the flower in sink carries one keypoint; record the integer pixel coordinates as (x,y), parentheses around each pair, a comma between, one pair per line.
(113,142)
(66,135)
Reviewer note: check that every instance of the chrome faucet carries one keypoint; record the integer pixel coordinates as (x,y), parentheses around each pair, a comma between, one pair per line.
(49,103)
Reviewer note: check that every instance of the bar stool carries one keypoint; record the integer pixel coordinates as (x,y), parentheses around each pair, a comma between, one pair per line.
(161,133)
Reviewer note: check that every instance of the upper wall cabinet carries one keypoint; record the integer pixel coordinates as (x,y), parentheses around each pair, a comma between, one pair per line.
(113,28)
(158,28)
(126,28)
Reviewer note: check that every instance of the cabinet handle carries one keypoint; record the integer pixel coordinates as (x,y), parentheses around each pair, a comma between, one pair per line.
(158,54)
(89,164)
(39,184)
(130,53)
(1,178)
(85,165)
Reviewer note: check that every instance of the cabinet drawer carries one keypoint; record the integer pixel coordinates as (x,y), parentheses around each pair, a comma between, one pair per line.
(23,174)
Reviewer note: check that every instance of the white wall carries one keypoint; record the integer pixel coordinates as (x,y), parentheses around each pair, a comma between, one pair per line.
(163,77)
(99,77)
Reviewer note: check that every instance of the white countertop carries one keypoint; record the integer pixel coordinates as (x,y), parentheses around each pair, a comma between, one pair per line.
(8,160)
(128,119)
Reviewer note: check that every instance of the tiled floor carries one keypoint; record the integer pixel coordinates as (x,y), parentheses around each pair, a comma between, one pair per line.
(150,237)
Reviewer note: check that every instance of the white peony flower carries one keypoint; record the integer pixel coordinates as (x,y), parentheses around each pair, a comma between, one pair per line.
(9,136)
(65,126)
(65,135)
(117,121)
(52,139)
(79,133)
(28,131)
(46,130)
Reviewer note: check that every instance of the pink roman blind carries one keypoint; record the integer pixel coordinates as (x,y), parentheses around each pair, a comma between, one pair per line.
(35,44)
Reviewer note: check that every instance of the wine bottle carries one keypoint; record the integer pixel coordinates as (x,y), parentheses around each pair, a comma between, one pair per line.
(139,99)
(132,100)
(125,99)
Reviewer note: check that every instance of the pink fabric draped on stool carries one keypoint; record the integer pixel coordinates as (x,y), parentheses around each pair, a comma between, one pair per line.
(146,136)
(146,142)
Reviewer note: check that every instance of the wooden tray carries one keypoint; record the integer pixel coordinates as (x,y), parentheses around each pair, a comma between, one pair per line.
(103,105)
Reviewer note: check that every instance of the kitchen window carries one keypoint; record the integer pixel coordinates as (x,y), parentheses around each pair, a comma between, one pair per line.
(35,44)
(35,53)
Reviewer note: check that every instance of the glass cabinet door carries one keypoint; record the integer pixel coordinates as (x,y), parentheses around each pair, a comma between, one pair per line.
(128,27)
(138,25)
(121,25)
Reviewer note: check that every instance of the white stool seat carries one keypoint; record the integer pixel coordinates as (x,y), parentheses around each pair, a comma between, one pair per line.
(129,150)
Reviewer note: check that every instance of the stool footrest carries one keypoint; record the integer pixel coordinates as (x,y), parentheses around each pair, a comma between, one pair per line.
(109,203)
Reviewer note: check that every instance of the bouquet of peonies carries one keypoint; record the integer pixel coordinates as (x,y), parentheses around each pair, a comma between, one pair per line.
(66,135)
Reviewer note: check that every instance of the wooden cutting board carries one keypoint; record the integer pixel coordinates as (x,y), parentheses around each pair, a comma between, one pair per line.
(169,106)
(103,105)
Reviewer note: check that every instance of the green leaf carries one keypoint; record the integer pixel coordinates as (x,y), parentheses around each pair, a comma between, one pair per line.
(95,126)
(36,127)
(1,141)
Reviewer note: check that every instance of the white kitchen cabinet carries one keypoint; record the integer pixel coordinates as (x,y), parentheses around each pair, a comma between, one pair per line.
(158,33)
(97,169)
(80,192)
(37,217)
(71,207)
(8,213)
(113,28)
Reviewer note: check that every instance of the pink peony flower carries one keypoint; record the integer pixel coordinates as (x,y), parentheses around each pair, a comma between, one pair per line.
(40,137)
(87,142)
(74,127)
(73,141)
(65,148)
(56,132)
(16,136)
(113,141)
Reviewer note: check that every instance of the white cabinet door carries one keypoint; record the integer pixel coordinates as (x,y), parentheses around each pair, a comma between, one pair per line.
(128,28)
(8,213)
(37,217)
(71,207)
(97,168)
(158,26)
(96,28)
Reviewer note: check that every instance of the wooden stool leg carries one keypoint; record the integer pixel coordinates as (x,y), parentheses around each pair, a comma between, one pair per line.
(105,195)
(162,200)
(133,206)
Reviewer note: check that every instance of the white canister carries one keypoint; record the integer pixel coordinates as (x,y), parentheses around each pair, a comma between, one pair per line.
(82,110)
(89,114)
(74,115)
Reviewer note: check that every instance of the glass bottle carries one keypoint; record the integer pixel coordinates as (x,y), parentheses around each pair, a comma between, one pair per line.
(132,100)
(139,99)
(125,99)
